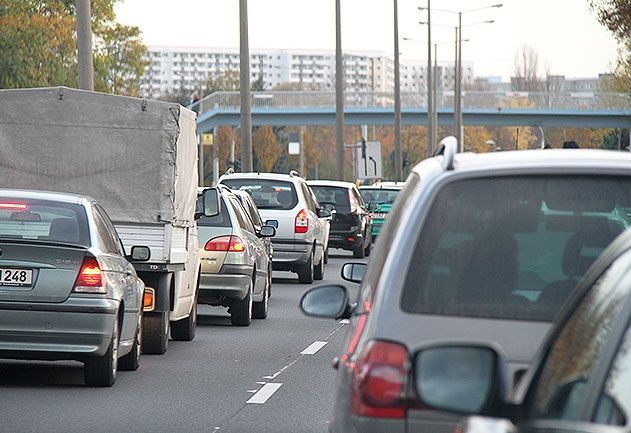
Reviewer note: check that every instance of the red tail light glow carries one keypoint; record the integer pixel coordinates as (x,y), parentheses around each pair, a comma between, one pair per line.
(90,278)
(302,222)
(13,205)
(379,379)
(230,243)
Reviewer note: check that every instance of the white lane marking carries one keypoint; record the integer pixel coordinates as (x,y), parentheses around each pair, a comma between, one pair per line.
(264,393)
(344,321)
(252,391)
(314,347)
(261,383)
(273,376)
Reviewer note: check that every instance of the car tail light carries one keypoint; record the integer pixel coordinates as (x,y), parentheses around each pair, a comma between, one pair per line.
(149,299)
(302,222)
(230,243)
(90,278)
(5,205)
(379,380)
(351,199)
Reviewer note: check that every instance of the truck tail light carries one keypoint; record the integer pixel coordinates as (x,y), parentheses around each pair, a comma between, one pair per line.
(230,243)
(302,222)
(379,380)
(149,299)
(90,278)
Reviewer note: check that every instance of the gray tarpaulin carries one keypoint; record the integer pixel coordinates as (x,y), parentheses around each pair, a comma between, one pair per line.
(137,158)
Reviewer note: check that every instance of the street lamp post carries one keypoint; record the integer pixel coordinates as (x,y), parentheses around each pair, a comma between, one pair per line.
(398,154)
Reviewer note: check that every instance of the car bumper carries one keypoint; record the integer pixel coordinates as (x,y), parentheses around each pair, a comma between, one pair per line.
(73,329)
(288,254)
(345,239)
(233,286)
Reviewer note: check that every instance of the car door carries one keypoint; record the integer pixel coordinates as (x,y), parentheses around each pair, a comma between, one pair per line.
(583,381)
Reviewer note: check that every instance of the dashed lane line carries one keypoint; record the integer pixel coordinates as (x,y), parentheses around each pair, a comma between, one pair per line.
(264,393)
(314,347)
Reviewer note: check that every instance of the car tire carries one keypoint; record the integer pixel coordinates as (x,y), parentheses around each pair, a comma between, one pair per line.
(155,333)
(131,361)
(305,272)
(359,252)
(318,271)
(260,309)
(326,256)
(184,329)
(269,280)
(241,310)
(102,371)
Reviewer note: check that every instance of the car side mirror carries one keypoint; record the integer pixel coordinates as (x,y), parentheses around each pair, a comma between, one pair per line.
(211,203)
(461,379)
(353,271)
(324,213)
(267,231)
(140,253)
(273,223)
(326,301)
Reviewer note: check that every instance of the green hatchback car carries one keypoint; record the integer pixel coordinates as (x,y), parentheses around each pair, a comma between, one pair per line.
(380,198)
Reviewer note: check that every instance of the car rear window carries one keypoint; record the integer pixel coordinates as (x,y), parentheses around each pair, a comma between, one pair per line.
(267,194)
(512,247)
(43,220)
(222,219)
(379,195)
(332,195)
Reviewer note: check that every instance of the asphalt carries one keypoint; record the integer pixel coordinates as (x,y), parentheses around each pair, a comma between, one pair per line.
(198,386)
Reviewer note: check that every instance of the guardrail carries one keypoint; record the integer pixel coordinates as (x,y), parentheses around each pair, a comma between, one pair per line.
(310,100)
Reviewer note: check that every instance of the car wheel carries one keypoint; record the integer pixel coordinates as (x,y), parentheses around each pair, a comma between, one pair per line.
(269,280)
(155,333)
(326,256)
(305,272)
(358,252)
(260,309)
(131,361)
(101,371)
(184,329)
(318,272)
(241,311)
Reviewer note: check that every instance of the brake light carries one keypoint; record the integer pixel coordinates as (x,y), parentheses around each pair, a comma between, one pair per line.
(149,299)
(302,222)
(13,205)
(90,278)
(379,380)
(230,243)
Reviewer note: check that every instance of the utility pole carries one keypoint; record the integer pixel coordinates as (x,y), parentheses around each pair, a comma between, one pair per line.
(456,90)
(339,94)
(244,87)
(460,131)
(84,45)
(398,155)
(430,86)
(434,117)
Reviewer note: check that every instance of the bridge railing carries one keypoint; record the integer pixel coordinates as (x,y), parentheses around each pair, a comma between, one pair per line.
(310,100)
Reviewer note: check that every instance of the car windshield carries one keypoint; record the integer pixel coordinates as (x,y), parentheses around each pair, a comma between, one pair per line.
(42,220)
(379,195)
(267,194)
(512,247)
(337,197)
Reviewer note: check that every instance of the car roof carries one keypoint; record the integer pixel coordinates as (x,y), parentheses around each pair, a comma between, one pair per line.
(389,186)
(334,183)
(264,176)
(44,195)
(536,160)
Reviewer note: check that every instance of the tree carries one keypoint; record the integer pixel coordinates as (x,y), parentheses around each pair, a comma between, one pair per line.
(38,46)
(526,69)
(266,148)
(616,16)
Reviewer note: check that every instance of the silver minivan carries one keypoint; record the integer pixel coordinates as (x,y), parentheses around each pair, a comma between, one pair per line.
(478,248)
(301,226)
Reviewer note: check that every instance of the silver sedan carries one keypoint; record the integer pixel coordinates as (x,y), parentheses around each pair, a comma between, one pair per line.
(66,288)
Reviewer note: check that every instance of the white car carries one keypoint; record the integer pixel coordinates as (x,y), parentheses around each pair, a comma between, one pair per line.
(287,202)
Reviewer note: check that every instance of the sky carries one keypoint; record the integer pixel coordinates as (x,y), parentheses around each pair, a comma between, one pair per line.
(565,33)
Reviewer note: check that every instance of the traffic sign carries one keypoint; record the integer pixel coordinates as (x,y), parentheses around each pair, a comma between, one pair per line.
(294,143)
(369,164)
(207,138)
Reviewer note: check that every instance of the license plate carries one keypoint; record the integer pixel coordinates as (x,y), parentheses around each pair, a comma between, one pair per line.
(380,215)
(16,277)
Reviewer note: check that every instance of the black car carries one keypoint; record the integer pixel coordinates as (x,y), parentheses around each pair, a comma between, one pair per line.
(351,226)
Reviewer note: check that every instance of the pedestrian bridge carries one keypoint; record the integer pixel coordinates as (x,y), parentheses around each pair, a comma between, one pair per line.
(278,108)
